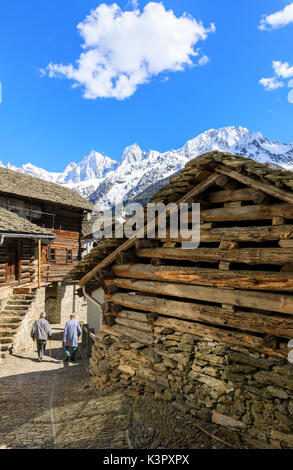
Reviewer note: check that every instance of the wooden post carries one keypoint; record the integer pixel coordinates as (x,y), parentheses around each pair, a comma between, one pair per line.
(39,262)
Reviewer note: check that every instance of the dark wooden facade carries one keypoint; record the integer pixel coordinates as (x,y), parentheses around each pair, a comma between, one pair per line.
(19,257)
(17,261)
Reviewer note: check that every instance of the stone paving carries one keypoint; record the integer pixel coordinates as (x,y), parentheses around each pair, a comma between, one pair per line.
(51,405)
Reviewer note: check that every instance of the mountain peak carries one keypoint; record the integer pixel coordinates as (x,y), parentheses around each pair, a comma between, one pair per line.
(107,182)
(132,153)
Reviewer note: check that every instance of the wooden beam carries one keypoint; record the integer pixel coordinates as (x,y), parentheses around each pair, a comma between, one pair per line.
(244,234)
(259,197)
(254,280)
(144,327)
(201,187)
(227,337)
(248,321)
(282,303)
(226,183)
(255,212)
(138,336)
(39,262)
(253,256)
(244,194)
(267,188)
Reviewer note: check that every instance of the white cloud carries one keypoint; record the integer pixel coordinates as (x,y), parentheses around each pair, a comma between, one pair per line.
(279,19)
(271,83)
(283,69)
(204,60)
(123,50)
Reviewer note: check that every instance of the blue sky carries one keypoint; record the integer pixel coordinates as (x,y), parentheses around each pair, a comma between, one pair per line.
(43,120)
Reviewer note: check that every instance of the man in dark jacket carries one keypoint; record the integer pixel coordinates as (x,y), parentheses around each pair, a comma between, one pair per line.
(41,331)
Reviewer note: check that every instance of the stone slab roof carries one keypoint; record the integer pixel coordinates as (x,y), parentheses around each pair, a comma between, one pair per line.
(19,184)
(13,223)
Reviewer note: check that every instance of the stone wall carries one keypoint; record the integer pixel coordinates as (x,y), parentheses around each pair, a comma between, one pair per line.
(5,293)
(22,340)
(61,301)
(249,395)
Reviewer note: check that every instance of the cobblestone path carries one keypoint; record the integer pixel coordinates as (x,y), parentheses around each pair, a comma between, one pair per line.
(50,405)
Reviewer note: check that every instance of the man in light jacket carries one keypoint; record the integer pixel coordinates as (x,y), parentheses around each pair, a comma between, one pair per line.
(41,331)
(72,331)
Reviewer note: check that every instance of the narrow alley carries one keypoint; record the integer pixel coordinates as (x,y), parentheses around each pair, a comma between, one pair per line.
(50,405)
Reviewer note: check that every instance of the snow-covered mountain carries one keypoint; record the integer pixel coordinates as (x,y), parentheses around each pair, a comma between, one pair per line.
(106,182)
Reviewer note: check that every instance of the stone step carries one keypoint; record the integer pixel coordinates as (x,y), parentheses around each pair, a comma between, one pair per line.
(19,302)
(5,347)
(16,313)
(15,307)
(7,319)
(5,332)
(6,340)
(21,297)
(9,326)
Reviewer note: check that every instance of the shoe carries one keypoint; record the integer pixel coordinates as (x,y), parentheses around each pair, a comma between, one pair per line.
(66,358)
(39,359)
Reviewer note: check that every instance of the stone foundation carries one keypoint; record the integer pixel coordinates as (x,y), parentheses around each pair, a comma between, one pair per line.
(249,395)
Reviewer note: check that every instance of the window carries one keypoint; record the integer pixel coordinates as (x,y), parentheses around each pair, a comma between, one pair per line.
(68,256)
(52,255)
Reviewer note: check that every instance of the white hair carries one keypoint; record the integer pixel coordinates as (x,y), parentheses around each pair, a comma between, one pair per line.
(43,315)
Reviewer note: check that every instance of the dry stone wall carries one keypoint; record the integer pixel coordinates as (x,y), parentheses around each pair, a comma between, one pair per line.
(249,395)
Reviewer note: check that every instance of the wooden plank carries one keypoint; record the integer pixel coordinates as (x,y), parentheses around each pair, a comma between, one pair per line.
(267,188)
(243,194)
(253,256)
(255,212)
(140,317)
(248,321)
(254,280)
(227,337)
(246,234)
(130,242)
(138,336)
(282,303)
(286,243)
(144,327)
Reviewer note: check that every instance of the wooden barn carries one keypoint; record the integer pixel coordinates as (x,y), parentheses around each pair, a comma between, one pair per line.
(208,328)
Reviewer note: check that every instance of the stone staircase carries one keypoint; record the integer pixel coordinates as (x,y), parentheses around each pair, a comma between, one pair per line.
(12,316)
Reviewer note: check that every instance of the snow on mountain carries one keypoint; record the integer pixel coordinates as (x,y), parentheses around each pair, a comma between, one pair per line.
(32,170)
(139,170)
(106,182)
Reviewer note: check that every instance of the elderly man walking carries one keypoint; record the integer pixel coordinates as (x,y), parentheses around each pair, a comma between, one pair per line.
(41,331)
(72,331)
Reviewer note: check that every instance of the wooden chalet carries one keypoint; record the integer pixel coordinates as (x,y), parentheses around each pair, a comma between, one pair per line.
(206,329)
(51,209)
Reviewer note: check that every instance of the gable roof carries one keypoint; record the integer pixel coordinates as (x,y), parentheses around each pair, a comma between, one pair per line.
(13,223)
(19,184)
(191,180)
